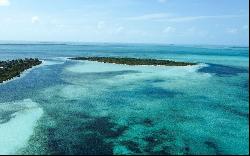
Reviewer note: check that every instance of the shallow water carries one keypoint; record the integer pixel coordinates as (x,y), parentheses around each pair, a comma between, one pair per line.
(95,108)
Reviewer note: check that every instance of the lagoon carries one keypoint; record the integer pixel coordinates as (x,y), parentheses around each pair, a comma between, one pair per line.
(84,107)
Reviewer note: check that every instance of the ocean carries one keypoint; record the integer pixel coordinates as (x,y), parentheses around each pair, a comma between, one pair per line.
(82,107)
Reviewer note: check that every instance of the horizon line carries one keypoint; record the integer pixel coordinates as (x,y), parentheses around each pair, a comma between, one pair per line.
(25,42)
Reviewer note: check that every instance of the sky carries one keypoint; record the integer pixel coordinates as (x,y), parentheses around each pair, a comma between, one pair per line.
(220,22)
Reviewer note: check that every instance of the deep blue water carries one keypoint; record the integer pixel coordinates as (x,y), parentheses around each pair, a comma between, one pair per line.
(95,108)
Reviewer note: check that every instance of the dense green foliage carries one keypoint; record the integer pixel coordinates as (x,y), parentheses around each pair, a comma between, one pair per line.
(134,61)
(13,68)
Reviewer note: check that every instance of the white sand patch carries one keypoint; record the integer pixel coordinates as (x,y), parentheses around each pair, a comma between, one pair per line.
(171,75)
(71,92)
(174,77)
(50,63)
(94,67)
(15,133)
(64,59)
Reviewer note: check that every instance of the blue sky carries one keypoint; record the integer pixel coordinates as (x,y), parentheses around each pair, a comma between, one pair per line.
(136,21)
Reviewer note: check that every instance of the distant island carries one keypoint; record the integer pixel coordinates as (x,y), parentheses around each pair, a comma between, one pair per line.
(134,61)
(13,68)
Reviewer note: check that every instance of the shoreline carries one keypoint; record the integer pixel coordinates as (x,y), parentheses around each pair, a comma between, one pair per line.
(133,61)
(24,73)
(96,67)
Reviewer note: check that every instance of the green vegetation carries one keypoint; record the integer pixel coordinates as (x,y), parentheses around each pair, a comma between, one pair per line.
(134,61)
(13,68)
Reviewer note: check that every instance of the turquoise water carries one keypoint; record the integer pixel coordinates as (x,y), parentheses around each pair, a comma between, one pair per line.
(74,107)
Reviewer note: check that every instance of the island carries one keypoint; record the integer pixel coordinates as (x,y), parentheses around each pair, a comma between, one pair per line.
(13,68)
(134,61)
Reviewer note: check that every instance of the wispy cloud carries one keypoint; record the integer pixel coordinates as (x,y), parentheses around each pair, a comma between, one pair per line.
(35,19)
(119,29)
(156,16)
(169,29)
(4,2)
(194,18)
(172,18)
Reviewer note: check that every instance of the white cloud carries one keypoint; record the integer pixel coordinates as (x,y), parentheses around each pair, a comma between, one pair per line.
(4,2)
(193,18)
(35,19)
(171,18)
(169,30)
(150,16)
(119,29)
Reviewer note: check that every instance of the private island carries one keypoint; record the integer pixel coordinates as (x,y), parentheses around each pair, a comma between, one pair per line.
(134,61)
(13,68)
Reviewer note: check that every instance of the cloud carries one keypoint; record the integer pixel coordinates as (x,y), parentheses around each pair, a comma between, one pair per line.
(4,2)
(156,16)
(119,29)
(169,30)
(171,18)
(35,19)
(194,18)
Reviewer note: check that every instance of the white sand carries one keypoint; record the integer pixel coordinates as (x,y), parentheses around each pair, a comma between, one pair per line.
(93,67)
(15,133)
